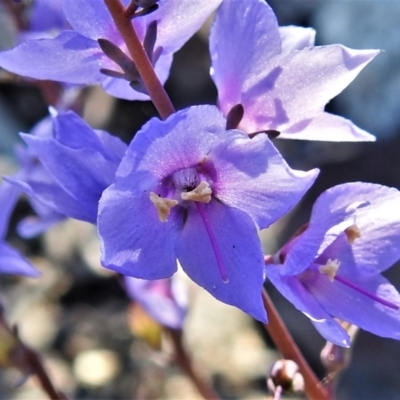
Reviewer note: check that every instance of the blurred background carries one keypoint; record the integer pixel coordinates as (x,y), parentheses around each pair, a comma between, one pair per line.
(78,316)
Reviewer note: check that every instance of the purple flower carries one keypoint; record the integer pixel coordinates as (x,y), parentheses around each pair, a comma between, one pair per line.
(187,189)
(46,20)
(282,81)
(332,267)
(75,56)
(66,171)
(11,261)
(47,16)
(164,299)
(30,166)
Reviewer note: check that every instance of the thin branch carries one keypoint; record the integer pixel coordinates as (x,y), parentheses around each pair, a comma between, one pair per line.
(35,363)
(286,345)
(17,12)
(51,91)
(184,362)
(154,87)
(29,360)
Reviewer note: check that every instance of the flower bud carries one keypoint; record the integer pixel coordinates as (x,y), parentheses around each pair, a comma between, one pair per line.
(285,374)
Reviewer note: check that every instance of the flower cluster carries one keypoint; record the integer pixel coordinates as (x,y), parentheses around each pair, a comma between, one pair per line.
(197,187)
(92,52)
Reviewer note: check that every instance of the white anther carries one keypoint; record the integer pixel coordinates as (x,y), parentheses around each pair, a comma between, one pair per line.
(201,193)
(352,233)
(163,205)
(330,268)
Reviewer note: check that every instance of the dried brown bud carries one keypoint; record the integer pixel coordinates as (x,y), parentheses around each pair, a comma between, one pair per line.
(234,116)
(147,7)
(271,133)
(285,374)
(112,51)
(352,233)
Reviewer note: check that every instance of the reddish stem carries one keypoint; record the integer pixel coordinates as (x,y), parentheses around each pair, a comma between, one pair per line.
(184,362)
(17,12)
(51,91)
(34,362)
(286,345)
(154,87)
(31,361)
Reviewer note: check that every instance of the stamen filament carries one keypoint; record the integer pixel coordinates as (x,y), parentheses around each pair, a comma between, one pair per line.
(366,293)
(214,243)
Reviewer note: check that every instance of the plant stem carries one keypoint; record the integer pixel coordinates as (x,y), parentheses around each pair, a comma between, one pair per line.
(51,91)
(33,360)
(288,348)
(154,87)
(184,362)
(30,360)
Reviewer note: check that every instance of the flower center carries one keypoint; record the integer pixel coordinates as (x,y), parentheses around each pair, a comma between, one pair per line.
(191,185)
(186,179)
(187,185)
